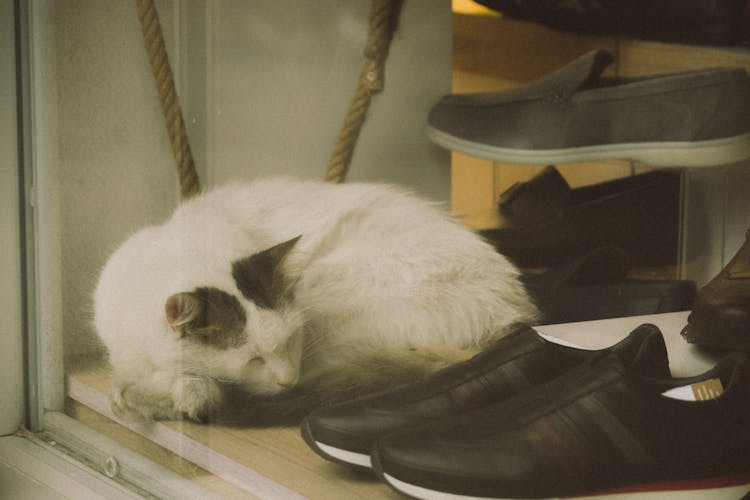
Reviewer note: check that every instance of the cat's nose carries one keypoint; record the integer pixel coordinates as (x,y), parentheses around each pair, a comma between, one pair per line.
(286,376)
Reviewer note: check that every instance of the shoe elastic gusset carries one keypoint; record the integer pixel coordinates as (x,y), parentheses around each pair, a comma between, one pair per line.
(599,429)
(686,119)
(346,432)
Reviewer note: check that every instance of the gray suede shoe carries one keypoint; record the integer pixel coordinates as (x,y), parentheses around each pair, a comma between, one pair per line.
(687,119)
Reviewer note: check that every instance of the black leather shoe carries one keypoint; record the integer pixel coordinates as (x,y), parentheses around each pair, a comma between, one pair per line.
(549,224)
(596,287)
(523,359)
(713,22)
(599,429)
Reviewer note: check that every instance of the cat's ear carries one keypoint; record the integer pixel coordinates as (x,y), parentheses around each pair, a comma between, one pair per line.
(258,276)
(209,315)
(184,310)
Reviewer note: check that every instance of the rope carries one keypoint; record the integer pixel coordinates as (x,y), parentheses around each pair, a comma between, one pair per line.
(383,23)
(170,106)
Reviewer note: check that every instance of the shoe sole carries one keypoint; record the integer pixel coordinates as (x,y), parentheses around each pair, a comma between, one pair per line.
(728,493)
(333,453)
(719,493)
(658,154)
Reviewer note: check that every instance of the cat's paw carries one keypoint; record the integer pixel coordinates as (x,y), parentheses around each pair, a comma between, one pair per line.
(121,408)
(195,397)
(131,404)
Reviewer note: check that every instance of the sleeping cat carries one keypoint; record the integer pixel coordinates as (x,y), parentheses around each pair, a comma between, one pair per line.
(281,283)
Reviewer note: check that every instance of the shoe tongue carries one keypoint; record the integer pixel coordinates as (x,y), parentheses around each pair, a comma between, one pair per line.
(541,198)
(651,357)
(643,351)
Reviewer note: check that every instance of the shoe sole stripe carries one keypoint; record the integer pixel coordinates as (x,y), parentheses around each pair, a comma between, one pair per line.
(516,377)
(557,437)
(347,456)
(618,435)
(658,154)
(419,492)
(732,492)
(331,452)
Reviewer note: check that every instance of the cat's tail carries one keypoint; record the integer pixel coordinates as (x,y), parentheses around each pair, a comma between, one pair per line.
(345,374)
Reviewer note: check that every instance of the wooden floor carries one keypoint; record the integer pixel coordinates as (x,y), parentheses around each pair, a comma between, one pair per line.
(273,462)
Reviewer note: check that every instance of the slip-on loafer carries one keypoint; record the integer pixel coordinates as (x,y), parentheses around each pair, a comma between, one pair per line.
(685,119)
(596,286)
(711,22)
(720,317)
(598,429)
(546,223)
(346,432)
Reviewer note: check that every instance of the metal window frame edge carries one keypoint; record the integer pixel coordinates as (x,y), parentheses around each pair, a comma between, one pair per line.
(43,464)
(118,462)
(11,306)
(77,462)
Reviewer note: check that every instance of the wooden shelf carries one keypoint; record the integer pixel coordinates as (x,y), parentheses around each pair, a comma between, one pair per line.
(492,53)
(274,462)
(271,462)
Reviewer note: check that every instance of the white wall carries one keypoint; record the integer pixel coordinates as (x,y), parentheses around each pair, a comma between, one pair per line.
(716,216)
(279,78)
(115,165)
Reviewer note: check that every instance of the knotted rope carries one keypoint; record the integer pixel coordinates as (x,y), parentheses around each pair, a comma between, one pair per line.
(170,106)
(384,15)
(383,22)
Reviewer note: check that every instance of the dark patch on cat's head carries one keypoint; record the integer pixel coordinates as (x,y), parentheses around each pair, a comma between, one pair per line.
(207,315)
(259,277)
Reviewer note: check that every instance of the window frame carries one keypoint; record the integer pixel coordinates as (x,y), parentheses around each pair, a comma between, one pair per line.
(11,304)
(32,388)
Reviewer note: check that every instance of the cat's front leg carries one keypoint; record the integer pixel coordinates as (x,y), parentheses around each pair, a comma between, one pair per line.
(195,396)
(134,403)
(187,395)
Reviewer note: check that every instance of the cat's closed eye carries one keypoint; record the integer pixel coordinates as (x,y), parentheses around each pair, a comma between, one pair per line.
(256,362)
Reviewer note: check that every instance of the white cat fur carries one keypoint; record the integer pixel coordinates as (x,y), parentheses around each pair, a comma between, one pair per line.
(376,271)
